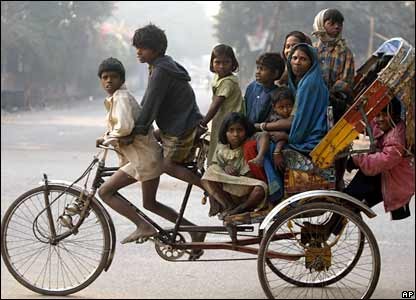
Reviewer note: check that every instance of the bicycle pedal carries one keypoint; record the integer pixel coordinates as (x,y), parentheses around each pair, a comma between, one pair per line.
(144,240)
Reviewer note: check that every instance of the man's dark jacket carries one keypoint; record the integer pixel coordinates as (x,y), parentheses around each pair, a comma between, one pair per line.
(169,99)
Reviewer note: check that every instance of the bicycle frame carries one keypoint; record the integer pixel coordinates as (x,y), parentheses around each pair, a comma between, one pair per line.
(167,236)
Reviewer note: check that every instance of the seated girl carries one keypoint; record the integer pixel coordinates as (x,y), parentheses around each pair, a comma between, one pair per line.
(228,179)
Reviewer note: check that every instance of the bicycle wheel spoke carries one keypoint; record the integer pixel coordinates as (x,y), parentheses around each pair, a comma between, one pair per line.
(79,256)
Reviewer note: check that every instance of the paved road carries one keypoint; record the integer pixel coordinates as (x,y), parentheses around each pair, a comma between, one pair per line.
(61,143)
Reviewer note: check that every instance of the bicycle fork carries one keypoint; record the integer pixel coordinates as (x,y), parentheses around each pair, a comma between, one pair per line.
(48,211)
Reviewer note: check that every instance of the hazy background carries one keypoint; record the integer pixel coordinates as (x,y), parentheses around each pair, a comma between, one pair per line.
(52,111)
(50,50)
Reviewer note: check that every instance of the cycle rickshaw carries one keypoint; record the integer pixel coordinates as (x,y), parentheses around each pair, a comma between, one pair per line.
(56,239)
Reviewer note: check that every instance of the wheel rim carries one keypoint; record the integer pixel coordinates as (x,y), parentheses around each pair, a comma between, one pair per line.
(350,275)
(52,269)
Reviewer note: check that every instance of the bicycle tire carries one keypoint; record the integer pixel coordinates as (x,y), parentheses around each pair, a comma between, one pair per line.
(299,280)
(17,230)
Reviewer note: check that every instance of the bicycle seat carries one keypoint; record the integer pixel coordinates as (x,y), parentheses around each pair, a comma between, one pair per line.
(198,154)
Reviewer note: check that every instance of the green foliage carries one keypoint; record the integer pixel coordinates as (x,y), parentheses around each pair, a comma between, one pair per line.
(56,41)
(56,46)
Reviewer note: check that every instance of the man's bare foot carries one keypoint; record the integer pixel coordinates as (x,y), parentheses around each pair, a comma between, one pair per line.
(144,231)
(258,160)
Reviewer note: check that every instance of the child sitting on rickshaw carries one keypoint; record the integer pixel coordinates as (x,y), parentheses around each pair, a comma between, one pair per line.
(307,123)
(228,178)
(282,106)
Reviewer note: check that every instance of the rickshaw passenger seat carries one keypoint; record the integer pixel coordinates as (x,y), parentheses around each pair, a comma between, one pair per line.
(302,175)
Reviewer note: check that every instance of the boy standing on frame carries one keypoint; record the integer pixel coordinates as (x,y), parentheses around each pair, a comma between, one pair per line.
(170,101)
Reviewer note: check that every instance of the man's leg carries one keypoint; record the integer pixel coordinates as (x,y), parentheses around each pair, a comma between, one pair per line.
(149,189)
(364,188)
(178,171)
(107,192)
(175,151)
(339,173)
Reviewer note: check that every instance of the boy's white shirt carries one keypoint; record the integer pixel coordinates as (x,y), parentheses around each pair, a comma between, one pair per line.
(121,114)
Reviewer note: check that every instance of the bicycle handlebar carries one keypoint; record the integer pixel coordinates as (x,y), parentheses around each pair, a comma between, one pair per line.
(106,145)
(109,141)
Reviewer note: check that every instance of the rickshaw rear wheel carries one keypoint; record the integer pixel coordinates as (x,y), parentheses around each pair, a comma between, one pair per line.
(340,275)
(329,266)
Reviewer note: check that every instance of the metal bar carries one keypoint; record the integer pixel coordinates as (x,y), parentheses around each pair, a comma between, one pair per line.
(105,169)
(244,249)
(181,212)
(216,259)
(368,128)
(48,208)
(213,228)
(106,174)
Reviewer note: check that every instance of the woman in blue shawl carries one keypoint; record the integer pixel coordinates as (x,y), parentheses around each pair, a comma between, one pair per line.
(308,123)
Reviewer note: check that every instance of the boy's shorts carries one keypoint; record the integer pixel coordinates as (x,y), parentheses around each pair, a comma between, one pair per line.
(179,149)
(141,159)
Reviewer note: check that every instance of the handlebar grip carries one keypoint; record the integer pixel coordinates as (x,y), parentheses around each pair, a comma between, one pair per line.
(108,141)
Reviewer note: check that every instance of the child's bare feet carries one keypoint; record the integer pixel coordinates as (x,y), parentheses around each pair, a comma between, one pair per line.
(214,207)
(258,160)
(237,210)
(227,210)
(145,231)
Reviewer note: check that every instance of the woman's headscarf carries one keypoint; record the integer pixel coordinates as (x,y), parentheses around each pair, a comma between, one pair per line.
(309,124)
(320,32)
